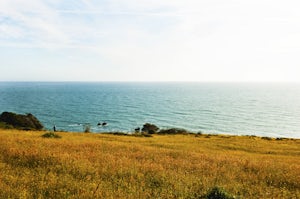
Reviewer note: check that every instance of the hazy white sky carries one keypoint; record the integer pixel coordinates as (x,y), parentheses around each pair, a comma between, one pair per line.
(149,40)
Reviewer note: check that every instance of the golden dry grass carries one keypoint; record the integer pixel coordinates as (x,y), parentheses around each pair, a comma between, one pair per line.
(178,166)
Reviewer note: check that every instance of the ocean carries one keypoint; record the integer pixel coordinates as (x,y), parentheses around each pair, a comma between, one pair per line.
(262,109)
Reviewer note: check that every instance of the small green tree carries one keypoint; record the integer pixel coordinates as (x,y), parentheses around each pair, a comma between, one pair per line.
(150,128)
(218,193)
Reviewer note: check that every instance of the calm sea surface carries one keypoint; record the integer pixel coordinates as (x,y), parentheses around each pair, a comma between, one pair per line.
(232,108)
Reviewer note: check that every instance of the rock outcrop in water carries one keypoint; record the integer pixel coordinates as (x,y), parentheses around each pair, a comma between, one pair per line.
(19,121)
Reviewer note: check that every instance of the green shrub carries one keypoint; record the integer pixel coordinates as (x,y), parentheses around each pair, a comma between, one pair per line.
(174,131)
(51,135)
(19,121)
(3,125)
(119,133)
(142,134)
(281,138)
(146,135)
(266,138)
(218,193)
(149,128)
(199,134)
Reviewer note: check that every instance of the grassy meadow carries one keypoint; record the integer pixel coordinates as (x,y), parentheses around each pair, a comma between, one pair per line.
(86,165)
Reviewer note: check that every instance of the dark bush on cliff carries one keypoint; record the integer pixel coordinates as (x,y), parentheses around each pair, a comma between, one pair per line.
(218,193)
(19,121)
(149,128)
(173,131)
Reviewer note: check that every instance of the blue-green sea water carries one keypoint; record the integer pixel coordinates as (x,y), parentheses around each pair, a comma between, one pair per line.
(263,109)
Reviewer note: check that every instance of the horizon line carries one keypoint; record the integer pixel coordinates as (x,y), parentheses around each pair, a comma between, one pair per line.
(137,81)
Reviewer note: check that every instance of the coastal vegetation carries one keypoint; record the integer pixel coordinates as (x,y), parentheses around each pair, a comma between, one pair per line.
(9,120)
(150,128)
(87,165)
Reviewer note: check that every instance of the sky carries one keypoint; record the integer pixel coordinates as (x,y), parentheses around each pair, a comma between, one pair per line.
(150,40)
